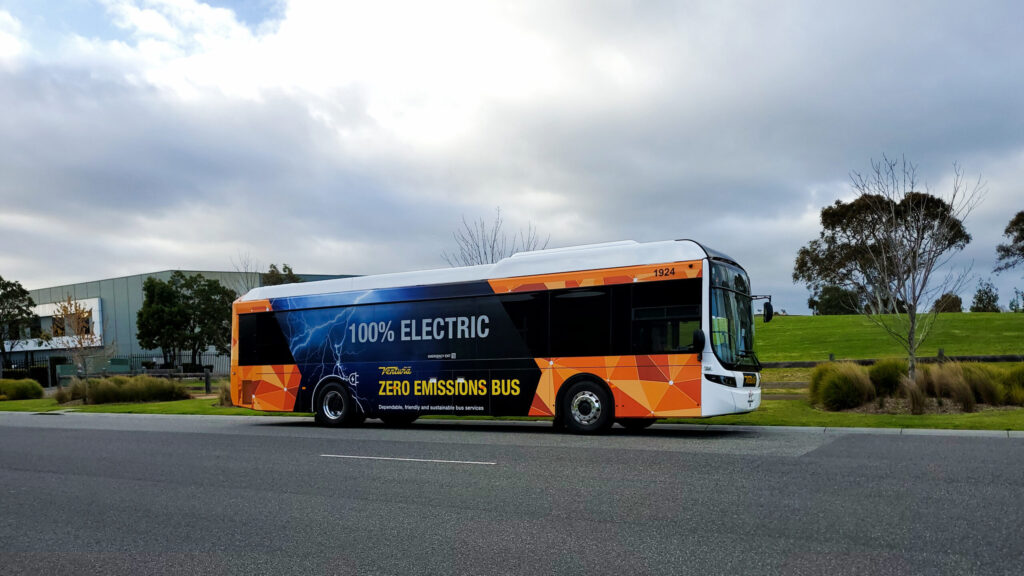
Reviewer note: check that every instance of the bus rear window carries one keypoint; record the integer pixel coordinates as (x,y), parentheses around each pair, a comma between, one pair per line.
(261,341)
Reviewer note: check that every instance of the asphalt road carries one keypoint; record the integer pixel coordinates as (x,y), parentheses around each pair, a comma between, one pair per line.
(118,494)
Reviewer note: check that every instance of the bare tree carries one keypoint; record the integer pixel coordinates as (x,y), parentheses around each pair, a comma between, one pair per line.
(73,330)
(478,242)
(891,244)
(248,269)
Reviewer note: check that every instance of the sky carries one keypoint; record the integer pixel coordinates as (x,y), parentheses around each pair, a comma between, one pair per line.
(353,137)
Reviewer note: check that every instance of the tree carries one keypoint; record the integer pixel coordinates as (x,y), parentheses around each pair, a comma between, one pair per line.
(479,243)
(207,305)
(160,322)
(274,277)
(248,273)
(15,313)
(889,244)
(1017,302)
(834,300)
(74,329)
(948,302)
(1012,254)
(986,299)
(185,314)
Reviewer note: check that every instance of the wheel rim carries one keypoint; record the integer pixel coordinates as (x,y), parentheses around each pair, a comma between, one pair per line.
(586,408)
(333,404)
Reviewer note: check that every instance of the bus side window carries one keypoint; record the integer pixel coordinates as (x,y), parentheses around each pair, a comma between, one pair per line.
(581,322)
(529,314)
(261,341)
(664,316)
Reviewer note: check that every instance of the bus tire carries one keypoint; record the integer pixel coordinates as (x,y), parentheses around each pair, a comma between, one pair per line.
(635,423)
(587,408)
(399,420)
(335,406)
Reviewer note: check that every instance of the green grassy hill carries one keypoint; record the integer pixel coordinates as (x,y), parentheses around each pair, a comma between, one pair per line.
(812,338)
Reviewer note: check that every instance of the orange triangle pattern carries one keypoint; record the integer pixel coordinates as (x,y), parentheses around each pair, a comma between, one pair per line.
(659,386)
(600,277)
(276,387)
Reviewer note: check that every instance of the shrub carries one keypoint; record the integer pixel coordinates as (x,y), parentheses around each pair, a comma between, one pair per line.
(224,393)
(818,375)
(887,374)
(848,386)
(924,378)
(23,389)
(63,396)
(913,393)
(986,382)
(1013,383)
(115,389)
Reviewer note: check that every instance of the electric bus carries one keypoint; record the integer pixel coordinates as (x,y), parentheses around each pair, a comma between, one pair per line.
(620,332)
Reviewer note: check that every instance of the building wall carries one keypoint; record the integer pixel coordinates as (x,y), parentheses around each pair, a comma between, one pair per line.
(121,299)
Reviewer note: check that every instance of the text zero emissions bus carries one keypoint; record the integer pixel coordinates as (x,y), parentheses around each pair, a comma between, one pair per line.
(591,335)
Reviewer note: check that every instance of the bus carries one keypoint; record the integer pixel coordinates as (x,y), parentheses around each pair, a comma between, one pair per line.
(589,336)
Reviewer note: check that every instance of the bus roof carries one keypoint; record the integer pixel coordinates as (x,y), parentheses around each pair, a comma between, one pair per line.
(568,259)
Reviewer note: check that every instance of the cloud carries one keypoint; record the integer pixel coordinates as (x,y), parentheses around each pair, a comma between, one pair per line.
(351,137)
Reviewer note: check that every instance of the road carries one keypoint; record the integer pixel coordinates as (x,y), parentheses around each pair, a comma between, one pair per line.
(122,494)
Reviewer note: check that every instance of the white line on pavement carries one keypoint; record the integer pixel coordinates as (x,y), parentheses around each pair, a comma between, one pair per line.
(407,459)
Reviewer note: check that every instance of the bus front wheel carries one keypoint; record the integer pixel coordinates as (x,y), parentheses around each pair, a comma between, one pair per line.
(335,407)
(587,408)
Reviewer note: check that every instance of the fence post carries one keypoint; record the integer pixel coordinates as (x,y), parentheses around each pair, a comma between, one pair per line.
(942,356)
(831,357)
(206,377)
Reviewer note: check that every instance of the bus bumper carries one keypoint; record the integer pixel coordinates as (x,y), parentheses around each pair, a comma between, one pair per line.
(719,399)
(746,399)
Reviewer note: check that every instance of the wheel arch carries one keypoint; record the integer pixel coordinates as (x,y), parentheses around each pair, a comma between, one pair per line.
(332,379)
(579,377)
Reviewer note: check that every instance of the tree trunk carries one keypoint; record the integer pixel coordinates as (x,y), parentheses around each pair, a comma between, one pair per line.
(912,347)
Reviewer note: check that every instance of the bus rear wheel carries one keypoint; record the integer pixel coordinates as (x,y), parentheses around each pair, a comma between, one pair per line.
(335,407)
(635,423)
(587,408)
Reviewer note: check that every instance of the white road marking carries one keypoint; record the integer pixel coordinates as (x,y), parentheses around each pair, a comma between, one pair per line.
(407,459)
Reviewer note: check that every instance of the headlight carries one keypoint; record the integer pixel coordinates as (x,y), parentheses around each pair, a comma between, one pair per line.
(724,380)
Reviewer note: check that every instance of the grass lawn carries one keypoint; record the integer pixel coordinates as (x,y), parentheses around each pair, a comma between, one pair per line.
(40,405)
(812,338)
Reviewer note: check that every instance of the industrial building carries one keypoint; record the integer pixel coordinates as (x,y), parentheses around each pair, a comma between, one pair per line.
(113,305)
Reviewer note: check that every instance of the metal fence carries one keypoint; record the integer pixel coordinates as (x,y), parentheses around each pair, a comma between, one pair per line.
(219,364)
(43,370)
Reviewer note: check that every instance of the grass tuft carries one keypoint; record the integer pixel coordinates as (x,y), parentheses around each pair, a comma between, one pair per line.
(118,389)
(986,382)
(848,386)
(1013,383)
(887,374)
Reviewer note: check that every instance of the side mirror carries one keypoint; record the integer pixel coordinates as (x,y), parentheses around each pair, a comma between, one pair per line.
(769,312)
(698,343)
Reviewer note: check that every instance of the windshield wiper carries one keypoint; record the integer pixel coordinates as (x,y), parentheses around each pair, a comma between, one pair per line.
(750,354)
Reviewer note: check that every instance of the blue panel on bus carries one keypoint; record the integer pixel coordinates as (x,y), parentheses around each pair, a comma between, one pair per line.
(382,295)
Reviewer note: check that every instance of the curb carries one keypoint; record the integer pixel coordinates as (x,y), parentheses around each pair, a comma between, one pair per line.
(851,431)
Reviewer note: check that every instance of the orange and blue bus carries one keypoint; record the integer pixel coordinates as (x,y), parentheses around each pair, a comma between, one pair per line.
(589,336)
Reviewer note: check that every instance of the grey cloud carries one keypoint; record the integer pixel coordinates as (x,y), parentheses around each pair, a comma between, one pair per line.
(749,110)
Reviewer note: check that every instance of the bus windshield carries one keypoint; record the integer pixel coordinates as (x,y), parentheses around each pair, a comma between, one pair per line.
(732,318)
